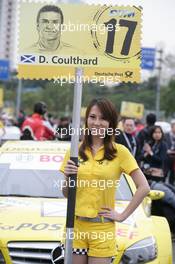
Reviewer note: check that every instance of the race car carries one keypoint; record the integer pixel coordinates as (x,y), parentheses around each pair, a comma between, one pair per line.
(33,210)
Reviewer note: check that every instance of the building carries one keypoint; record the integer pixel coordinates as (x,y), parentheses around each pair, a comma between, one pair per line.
(8,30)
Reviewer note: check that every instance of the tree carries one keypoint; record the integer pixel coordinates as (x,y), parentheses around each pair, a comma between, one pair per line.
(168,98)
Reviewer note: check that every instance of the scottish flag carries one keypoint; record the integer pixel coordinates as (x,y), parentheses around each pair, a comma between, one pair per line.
(28,59)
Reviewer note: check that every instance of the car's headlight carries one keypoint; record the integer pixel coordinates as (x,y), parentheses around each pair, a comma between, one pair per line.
(2,260)
(141,252)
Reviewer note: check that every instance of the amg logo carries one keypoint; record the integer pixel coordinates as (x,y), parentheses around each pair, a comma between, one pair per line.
(121,13)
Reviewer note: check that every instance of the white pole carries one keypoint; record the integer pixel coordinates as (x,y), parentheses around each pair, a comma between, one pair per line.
(74,157)
(158,85)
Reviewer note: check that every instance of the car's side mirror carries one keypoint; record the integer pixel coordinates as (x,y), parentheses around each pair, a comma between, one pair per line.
(156,194)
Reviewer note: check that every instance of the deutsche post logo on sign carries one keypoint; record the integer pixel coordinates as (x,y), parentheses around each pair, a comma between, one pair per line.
(103,40)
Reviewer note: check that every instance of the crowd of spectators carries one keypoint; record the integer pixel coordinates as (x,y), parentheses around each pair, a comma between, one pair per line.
(153,149)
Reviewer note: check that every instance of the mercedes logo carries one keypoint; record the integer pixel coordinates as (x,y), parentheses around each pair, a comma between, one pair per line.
(57,254)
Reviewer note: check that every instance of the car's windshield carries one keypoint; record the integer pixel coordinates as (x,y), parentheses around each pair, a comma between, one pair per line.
(43,183)
(30,182)
(123,192)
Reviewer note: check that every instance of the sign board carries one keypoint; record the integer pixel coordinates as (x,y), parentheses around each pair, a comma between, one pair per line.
(33,161)
(83,112)
(133,110)
(4,70)
(103,40)
(1,97)
(148,58)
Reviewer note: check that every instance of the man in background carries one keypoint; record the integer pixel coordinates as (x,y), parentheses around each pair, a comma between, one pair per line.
(127,138)
(37,127)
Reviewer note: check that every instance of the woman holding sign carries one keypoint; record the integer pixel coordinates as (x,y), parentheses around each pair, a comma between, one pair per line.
(101,162)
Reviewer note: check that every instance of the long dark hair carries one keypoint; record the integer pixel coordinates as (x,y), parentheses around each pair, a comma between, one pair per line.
(109,113)
(153,129)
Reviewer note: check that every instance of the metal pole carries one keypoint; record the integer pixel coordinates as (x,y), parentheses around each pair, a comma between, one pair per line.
(158,85)
(74,157)
(18,98)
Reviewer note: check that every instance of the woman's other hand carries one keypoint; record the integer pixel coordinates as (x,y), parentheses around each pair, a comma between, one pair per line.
(111,214)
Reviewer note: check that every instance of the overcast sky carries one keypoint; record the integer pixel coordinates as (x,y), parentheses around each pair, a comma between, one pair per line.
(158,21)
